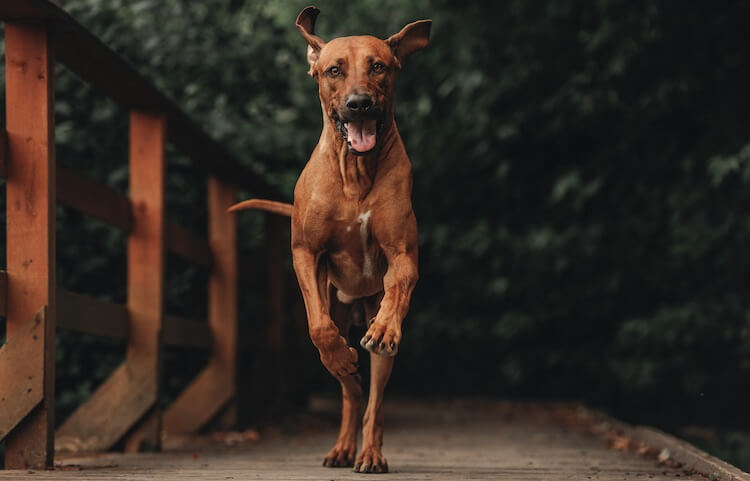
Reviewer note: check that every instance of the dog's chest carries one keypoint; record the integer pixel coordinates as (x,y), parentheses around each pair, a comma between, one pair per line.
(353,251)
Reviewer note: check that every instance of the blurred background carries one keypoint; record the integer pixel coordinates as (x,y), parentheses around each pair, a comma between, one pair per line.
(582,184)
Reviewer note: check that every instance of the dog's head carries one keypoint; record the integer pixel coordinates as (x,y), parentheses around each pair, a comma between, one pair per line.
(356,77)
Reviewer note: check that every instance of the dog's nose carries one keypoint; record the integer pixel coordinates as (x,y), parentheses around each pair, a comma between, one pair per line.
(359,103)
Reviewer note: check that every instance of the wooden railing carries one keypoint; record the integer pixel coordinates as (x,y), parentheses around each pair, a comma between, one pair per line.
(124,407)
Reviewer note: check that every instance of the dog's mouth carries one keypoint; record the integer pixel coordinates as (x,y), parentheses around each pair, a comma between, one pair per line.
(360,134)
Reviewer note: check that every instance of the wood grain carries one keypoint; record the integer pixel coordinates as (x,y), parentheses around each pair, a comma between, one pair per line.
(440,441)
(146,260)
(30,123)
(21,385)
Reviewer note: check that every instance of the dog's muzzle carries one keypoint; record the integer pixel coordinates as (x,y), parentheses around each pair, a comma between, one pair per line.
(359,131)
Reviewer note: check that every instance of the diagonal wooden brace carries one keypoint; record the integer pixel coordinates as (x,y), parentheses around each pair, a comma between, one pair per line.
(21,381)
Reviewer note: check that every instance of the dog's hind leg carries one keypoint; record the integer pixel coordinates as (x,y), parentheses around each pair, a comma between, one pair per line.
(343,452)
(371,459)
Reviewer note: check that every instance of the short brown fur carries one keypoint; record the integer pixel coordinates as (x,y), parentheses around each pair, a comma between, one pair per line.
(354,234)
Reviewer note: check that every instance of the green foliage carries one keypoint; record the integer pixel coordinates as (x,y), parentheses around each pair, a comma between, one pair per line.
(581,180)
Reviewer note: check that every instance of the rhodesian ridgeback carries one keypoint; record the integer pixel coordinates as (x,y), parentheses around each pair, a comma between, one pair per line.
(354,234)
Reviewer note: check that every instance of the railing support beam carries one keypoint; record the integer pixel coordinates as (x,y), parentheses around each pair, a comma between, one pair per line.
(130,394)
(30,119)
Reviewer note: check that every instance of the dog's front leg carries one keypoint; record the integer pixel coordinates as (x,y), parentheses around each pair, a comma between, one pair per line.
(337,356)
(384,334)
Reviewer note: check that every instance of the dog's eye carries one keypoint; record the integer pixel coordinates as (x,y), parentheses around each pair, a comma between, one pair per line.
(333,71)
(377,67)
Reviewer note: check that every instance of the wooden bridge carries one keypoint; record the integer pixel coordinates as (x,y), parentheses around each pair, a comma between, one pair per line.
(436,441)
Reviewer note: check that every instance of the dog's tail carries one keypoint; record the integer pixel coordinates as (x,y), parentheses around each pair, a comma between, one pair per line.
(281,208)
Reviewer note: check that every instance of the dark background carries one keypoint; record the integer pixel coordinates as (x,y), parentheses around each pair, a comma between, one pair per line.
(581,186)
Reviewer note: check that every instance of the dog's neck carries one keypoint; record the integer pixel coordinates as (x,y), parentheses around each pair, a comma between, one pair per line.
(357,171)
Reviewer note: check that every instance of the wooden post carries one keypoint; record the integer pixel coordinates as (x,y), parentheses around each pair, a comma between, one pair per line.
(30,118)
(146,262)
(215,385)
(132,390)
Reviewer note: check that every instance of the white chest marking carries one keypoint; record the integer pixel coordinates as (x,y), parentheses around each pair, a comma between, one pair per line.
(363,220)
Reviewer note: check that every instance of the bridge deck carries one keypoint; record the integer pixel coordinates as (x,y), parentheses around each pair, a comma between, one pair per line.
(435,441)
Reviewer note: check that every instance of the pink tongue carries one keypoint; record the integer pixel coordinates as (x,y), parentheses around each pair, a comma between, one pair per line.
(361,134)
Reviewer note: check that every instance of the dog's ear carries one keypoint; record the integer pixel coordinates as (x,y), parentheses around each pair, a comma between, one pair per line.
(411,38)
(306,26)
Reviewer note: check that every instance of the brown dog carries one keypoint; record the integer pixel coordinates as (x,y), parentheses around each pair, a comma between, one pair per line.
(354,235)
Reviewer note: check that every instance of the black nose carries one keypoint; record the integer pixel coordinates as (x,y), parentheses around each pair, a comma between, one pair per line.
(359,103)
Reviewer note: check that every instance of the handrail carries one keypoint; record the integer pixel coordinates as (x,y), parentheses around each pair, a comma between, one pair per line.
(86,56)
(125,408)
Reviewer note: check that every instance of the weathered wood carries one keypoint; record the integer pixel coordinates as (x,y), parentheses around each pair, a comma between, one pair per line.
(82,313)
(86,56)
(21,386)
(30,123)
(214,387)
(204,397)
(441,441)
(92,198)
(188,245)
(133,389)
(146,256)
(113,408)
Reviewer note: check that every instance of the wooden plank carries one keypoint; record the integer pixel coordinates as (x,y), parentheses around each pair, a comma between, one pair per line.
(82,313)
(97,200)
(86,56)
(133,389)
(114,407)
(21,385)
(204,397)
(182,332)
(147,239)
(188,245)
(214,387)
(30,123)
(146,256)
(435,440)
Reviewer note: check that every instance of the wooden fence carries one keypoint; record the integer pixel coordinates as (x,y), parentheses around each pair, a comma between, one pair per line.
(124,407)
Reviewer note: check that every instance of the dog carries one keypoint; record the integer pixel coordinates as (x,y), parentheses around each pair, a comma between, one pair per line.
(354,233)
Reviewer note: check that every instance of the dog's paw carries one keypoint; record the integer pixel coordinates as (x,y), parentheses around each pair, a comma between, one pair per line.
(371,460)
(339,358)
(381,339)
(340,456)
